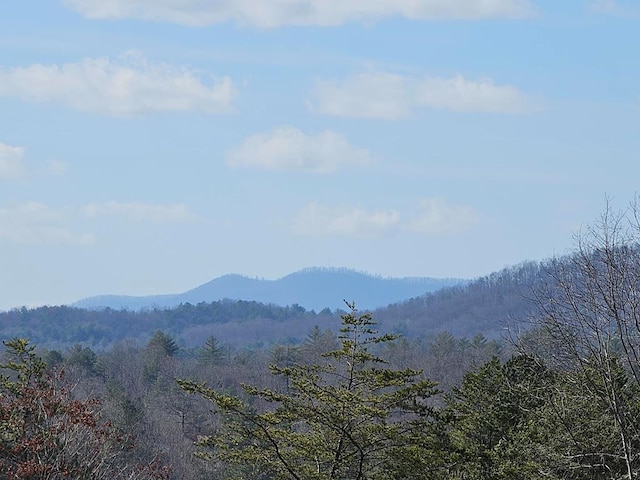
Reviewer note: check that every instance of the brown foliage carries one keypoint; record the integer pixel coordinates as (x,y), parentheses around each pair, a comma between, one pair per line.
(46,433)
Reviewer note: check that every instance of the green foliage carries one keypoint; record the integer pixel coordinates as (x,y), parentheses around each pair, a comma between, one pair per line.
(158,356)
(522,420)
(492,413)
(82,358)
(53,358)
(162,344)
(343,418)
(587,428)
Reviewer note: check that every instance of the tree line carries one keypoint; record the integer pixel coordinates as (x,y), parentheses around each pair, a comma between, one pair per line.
(484,306)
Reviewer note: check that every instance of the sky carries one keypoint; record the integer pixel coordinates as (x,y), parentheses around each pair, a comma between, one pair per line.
(148,147)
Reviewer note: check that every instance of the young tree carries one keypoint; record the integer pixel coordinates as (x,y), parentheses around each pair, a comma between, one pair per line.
(162,344)
(340,419)
(316,344)
(159,358)
(212,353)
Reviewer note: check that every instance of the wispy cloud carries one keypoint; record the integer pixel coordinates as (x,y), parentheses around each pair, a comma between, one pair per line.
(129,86)
(603,6)
(287,148)
(615,8)
(437,217)
(317,219)
(36,223)
(140,212)
(390,96)
(40,224)
(56,167)
(12,163)
(269,14)
(434,217)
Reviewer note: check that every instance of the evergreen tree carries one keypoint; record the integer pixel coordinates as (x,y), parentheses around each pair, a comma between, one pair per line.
(162,344)
(317,343)
(158,355)
(343,418)
(492,413)
(212,353)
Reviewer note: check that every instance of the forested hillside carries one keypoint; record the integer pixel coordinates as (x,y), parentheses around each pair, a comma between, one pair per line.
(236,322)
(484,306)
(490,305)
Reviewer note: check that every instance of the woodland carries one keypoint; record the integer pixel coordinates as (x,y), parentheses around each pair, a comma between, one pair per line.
(529,373)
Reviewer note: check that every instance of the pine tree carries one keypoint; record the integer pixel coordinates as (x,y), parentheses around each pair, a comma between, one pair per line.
(343,418)
(212,353)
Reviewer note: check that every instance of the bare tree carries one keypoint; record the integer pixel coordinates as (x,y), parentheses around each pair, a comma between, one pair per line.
(590,309)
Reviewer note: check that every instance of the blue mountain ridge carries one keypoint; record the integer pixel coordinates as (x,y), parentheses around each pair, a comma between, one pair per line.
(312,288)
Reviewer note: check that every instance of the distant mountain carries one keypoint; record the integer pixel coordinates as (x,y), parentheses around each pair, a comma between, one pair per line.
(487,305)
(312,288)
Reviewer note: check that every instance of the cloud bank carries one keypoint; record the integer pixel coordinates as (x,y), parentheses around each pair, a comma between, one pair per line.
(388,96)
(105,86)
(287,148)
(277,13)
(434,217)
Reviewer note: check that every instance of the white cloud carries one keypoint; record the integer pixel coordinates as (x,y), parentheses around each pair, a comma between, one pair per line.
(35,223)
(13,165)
(131,86)
(389,96)
(275,13)
(435,217)
(140,212)
(367,95)
(317,219)
(11,162)
(287,148)
(463,95)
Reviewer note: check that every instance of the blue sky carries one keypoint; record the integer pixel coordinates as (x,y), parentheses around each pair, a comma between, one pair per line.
(147,147)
